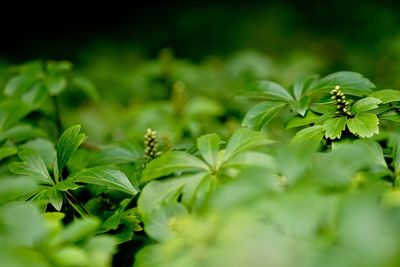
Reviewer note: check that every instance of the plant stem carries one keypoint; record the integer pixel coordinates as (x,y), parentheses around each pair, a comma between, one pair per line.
(57,115)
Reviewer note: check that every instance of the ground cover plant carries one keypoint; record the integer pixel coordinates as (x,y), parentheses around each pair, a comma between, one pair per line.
(262,174)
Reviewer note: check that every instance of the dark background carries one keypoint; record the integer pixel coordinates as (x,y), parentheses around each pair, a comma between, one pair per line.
(61,29)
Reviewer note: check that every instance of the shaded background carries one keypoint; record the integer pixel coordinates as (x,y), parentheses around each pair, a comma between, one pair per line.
(194,30)
(214,47)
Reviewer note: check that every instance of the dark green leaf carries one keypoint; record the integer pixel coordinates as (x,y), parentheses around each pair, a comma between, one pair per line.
(69,141)
(110,178)
(351,83)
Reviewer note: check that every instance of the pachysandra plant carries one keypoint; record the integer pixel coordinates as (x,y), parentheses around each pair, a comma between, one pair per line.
(253,200)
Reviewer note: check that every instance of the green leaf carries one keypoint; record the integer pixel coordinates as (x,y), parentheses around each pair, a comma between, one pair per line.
(171,162)
(267,90)
(312,134)
(86,86)
(396,158)
(12,188)
(301,105)
(21,132)
(55,198)
(57,67)
(149,256)
(208,146)
(365,104)
(78,230)
(301,85)
(114,155)
(11,112)
(45,148)
(364,124)
(19,84)
(390,116)
(324,108)
(298,121)
(251,158)
(69,141)
(334,127)
(21,224)
(32,165)
(7,150)
(375,152)
(244,140)
(261,114)
(35,96)
(387,95)
(104,176)
(160,224)
(351,83)
(336,168)
(157,192)
(55,84)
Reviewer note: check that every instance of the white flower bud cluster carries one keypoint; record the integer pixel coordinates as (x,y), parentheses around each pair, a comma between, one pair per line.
(150,144)
(342,105)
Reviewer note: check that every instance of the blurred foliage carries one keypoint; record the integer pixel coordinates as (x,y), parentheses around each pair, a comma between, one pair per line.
(203,154)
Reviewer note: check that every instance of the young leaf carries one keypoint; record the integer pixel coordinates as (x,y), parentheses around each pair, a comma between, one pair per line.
(104,176)
(171,162)
(387,95)
(365,104)
(364,124)
(69,141)
(208,146)
(351,83)
(334,127)
(32,165)
(311,134)
(268,90)
(242,140)
(261,114)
